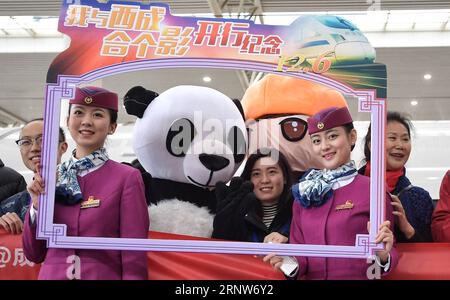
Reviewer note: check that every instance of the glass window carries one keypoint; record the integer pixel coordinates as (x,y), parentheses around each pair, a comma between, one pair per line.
(336,22)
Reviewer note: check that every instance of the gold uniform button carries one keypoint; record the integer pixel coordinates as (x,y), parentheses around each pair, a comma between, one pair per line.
(88,100)
(320,125)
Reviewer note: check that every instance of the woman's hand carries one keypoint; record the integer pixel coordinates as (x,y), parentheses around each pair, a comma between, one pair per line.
(402,221)
(274,260)
(276,238)
(386,237)
(36,188)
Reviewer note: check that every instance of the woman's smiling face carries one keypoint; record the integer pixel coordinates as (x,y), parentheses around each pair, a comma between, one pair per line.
(89,126)
(268,180)
(398,145)
(333,146)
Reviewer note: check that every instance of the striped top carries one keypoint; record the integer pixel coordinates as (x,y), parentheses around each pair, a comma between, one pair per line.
(269,213)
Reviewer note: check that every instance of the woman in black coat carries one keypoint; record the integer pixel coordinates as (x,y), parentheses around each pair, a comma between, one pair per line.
(257,206)
(11,182)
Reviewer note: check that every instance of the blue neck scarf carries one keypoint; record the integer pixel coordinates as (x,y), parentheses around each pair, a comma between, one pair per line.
(315,188)
(67,188)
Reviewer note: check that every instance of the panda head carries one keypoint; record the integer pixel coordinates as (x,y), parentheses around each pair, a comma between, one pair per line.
(188,134)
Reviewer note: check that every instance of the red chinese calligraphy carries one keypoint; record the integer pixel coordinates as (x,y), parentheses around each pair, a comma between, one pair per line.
(211,31)
(271,45)
(252,44)
(236,35)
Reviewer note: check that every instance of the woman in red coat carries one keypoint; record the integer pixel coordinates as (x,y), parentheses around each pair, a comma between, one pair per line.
(440,225)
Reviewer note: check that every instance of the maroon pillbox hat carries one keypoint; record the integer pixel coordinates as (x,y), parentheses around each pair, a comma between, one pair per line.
(329,118)
(95,96)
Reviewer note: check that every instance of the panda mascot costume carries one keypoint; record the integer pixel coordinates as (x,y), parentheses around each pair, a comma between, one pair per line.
(188,138)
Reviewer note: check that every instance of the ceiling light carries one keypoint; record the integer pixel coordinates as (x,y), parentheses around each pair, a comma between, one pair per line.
(207,79)
(414,103)
(427,76)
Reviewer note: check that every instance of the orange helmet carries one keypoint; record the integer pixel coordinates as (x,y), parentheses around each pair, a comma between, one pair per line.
(277,94)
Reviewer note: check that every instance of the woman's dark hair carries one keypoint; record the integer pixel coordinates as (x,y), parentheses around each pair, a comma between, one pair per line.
(282,162)
(392,116)
(62,135)
(348,129)
(112,113)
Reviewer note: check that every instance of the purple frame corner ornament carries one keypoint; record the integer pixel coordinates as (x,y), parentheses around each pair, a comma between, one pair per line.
(56,234)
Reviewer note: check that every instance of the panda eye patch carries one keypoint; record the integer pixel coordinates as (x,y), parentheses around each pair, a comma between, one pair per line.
(236,140)
(179,137)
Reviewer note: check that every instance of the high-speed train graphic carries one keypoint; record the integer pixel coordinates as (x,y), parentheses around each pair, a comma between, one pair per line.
(343,42)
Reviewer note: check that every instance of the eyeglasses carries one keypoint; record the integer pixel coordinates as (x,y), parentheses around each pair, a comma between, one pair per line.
(293,129)
(26,142)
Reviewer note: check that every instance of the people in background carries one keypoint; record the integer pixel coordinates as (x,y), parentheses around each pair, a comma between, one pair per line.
(332,205)
(413,205)
(95,196)
(440,225)
(11,182)
(14,209)
(257,206)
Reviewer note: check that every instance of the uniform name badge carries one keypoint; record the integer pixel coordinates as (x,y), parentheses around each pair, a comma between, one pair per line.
(90,202)
(347,205)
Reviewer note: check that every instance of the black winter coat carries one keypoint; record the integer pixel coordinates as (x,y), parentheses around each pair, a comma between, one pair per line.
(245,224)
(11,182)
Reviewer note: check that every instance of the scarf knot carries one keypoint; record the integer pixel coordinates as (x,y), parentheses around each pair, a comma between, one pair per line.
(68,190)
(315,188)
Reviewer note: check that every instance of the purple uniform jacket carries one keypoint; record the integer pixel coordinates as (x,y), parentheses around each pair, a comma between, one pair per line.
(122,213)
(324,225)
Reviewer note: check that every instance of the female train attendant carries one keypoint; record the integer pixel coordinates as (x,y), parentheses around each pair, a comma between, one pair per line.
(332,205)
(95,197)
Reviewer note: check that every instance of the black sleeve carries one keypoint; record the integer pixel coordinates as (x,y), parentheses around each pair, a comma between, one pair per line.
(423,209)
(233,205)
(21,185)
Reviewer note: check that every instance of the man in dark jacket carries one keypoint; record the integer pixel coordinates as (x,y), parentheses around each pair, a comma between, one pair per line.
(14,209)
(11,182)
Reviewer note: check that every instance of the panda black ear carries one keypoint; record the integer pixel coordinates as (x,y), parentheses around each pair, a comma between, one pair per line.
(239,106)
(137,99)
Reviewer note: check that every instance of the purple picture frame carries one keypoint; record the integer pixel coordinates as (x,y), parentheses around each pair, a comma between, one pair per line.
(56,234)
